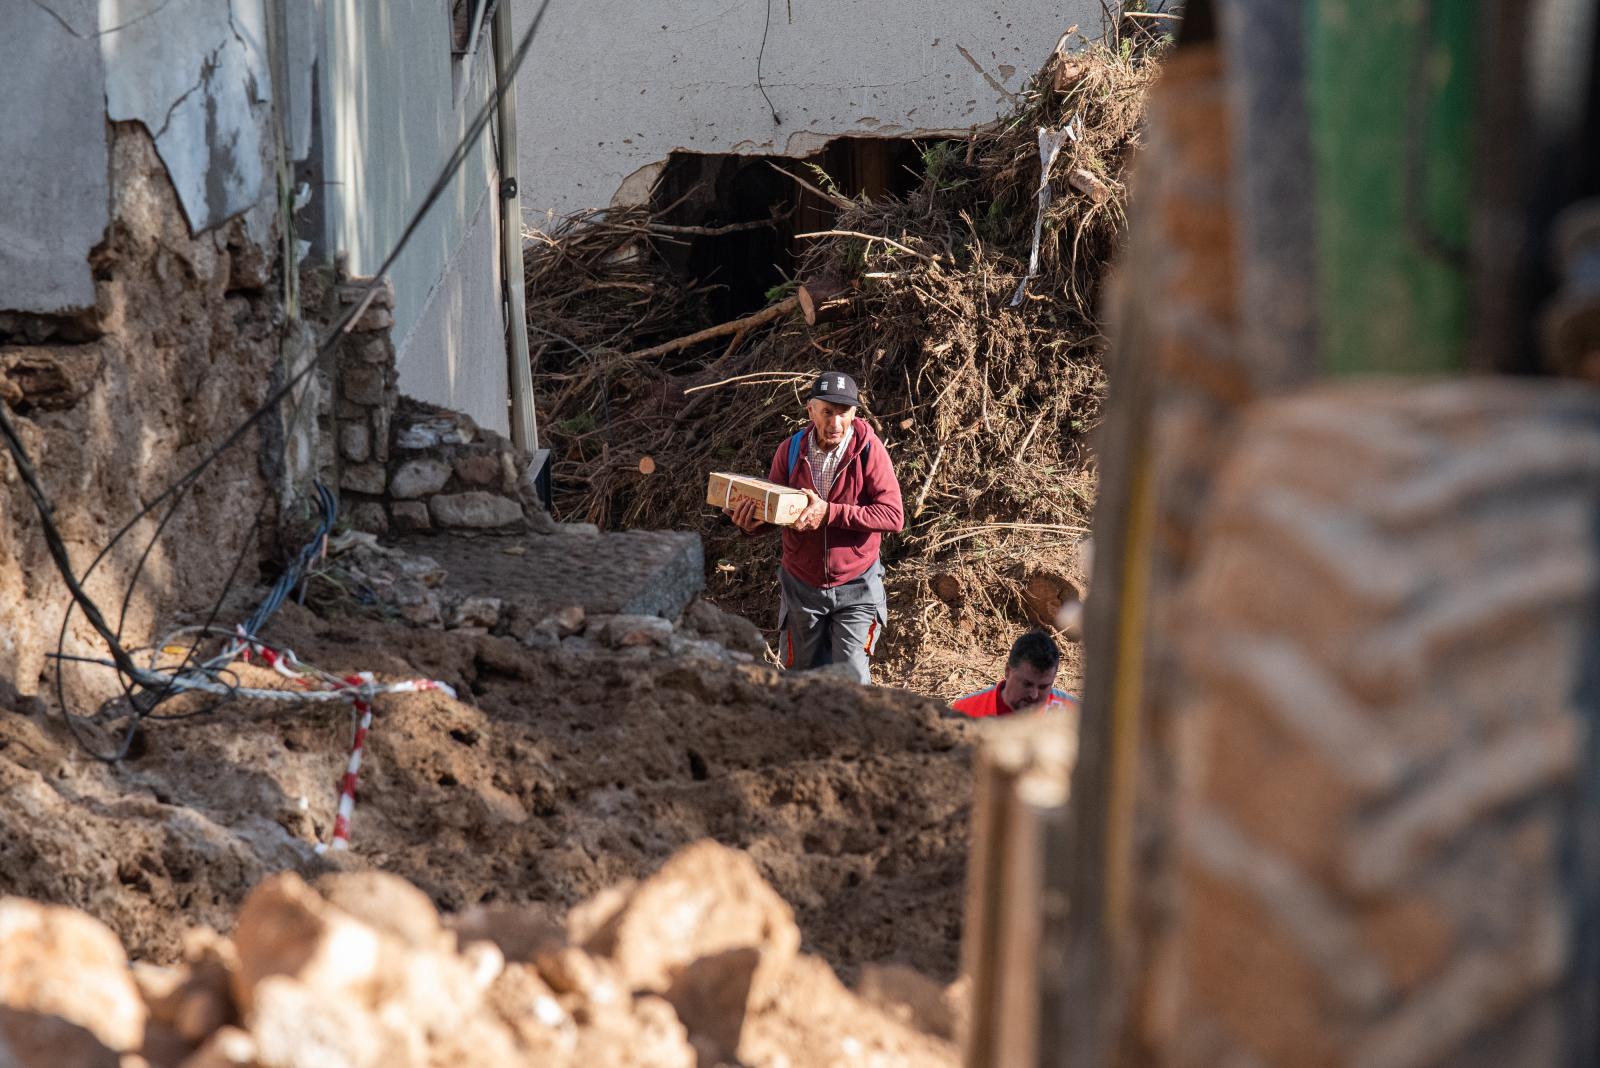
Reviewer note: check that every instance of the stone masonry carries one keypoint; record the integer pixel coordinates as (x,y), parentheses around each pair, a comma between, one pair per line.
(407,466)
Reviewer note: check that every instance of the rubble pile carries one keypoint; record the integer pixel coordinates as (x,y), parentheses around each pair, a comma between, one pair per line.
(413,587)
(697,965)
(552,774)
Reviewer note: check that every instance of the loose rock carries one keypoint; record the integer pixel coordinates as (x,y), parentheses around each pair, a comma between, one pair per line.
(474,509)
(419,478)
(706,932)
(566,621)
(286,929)
(476,612)
(713,624)
(297,1027)
(229,1047)
(64,981)
(622,632)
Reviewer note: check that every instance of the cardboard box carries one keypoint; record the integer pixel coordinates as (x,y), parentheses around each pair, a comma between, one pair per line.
(779,505)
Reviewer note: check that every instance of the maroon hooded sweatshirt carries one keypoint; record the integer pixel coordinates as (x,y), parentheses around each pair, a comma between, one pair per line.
(863,506)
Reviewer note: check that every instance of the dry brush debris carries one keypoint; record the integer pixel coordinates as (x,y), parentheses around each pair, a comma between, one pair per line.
(983,399)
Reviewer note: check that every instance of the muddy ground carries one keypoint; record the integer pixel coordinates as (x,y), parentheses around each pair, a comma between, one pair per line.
(552,777)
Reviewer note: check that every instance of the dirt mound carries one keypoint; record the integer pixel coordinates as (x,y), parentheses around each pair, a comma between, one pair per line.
(698,964)
(553,776)
(982,385)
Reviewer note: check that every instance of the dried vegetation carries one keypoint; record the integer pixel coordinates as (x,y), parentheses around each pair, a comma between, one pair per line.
(985,401)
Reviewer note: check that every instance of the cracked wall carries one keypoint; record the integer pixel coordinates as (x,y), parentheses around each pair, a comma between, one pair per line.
(177,347)
(611,88)
(196,73)
(142,318)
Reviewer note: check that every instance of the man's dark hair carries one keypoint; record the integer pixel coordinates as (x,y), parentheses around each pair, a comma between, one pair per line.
(1037,648)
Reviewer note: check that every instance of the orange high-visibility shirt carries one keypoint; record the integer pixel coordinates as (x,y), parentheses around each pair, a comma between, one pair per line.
(988,702)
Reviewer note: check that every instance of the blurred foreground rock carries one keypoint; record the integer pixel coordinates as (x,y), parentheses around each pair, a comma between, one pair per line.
(696,966)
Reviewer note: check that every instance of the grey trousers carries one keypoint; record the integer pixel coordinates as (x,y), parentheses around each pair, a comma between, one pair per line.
(839,625)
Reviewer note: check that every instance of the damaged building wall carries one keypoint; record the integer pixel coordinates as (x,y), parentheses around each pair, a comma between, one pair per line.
(53,197)
(613,87)
(178,349)
(196,74)
(389,121)
(140,319)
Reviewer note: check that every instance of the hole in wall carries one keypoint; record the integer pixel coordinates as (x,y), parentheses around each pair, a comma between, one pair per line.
(723,192)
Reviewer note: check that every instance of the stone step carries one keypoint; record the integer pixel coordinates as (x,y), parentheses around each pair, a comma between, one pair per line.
(632,572)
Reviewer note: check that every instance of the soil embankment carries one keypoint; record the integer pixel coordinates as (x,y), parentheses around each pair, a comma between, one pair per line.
(551,777)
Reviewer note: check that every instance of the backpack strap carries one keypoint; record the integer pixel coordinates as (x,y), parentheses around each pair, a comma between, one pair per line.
(795,441)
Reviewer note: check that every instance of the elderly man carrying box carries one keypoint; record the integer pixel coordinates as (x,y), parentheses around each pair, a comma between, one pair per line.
(831,607)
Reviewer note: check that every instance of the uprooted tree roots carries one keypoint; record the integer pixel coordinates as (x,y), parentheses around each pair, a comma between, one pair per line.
(983,400)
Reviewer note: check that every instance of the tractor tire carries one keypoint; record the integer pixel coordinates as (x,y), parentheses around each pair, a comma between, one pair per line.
(1179,378)
(1387,798)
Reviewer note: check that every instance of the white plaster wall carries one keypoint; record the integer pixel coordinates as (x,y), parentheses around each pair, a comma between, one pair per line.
(196,73)
(612,87)
(54,196)
(455,355)
(388,125)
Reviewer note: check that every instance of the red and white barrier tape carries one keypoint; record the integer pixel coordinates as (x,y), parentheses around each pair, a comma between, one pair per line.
(359,689)
(316,684)
(347,786)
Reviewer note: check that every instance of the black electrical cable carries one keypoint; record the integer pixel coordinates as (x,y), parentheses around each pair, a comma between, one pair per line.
(761,55)
(53,542)
(127,670)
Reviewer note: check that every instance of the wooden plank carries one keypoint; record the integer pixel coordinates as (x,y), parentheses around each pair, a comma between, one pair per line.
(998,761)
(1038,812)
(1015,920)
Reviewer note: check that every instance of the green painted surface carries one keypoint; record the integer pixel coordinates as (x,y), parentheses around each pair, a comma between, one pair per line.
(1391,109)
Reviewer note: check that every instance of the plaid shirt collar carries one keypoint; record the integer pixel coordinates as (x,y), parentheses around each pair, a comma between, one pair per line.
(825,462)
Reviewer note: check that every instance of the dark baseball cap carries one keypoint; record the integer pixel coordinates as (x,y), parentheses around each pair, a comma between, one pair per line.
(836,387)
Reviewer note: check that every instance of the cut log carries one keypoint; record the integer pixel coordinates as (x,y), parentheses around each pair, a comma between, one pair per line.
(823,299)
(1090,185)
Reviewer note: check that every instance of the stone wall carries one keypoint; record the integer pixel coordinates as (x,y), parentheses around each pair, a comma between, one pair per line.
(404,465)
(182,341)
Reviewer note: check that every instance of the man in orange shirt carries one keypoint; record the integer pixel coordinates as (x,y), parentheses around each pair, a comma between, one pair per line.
(1028,683)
